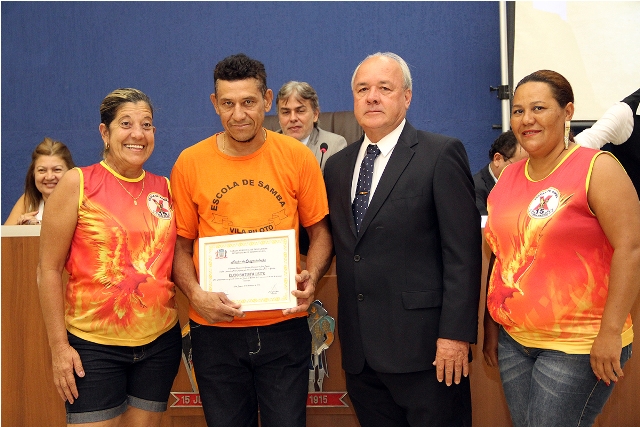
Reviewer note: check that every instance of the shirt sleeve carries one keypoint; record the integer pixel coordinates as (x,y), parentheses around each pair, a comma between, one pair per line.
(312,202)
(185,209)
(614,126)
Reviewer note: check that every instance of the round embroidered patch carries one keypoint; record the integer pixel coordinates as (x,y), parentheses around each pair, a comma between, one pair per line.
(159,206)
(544,204)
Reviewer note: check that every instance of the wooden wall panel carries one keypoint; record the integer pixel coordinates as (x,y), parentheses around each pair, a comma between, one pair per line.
(29,397)
(487,398)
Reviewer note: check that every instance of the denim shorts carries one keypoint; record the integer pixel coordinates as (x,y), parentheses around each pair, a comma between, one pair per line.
(119,376)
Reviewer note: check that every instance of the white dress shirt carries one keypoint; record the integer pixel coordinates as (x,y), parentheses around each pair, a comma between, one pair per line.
(386,146)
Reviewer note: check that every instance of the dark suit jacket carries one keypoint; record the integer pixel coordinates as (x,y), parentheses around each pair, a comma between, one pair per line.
(628,153)
(483,182)
(413,273)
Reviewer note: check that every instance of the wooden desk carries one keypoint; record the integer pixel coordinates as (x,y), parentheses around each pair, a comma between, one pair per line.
(29,397)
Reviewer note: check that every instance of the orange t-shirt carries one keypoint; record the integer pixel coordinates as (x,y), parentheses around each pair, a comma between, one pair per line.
(120,290)
(550,280)
(277,187)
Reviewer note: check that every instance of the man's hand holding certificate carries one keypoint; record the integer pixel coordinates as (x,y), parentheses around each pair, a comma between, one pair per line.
(304,294)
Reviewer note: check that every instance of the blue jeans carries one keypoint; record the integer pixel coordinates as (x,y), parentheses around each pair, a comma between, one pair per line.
(548,388)
(242,370)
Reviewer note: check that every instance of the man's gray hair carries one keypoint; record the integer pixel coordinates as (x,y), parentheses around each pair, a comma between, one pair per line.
(301,90)
(406,74)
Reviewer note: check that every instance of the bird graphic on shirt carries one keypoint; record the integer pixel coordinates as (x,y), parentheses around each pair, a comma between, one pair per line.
(543,203)
(120,267)
(524,249)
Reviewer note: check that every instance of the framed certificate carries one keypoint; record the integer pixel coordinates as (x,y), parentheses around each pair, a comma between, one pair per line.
(256,270)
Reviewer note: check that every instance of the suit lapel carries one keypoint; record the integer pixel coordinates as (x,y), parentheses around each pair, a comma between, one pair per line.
(313,140)
(488,179)
(346,178)
(400,158)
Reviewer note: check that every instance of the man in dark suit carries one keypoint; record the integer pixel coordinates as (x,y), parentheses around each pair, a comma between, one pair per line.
(409,274)
(504,151)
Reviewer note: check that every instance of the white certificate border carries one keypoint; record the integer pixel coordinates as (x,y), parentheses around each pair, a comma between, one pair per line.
(288,237)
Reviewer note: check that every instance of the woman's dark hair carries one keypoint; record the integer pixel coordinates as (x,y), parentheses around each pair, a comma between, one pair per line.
(48,147)
(112,102)
(560,87)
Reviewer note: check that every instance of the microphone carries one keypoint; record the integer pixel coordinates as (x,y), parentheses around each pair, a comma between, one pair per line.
(323,149)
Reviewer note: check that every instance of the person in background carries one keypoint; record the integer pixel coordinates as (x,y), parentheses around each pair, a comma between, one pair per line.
(114,335)
(408,253)
(298,112)
(620,126)
(564,228)
(49,161)
(248,361)
(504,151)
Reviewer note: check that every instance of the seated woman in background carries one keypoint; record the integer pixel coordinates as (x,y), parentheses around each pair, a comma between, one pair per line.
(49,161)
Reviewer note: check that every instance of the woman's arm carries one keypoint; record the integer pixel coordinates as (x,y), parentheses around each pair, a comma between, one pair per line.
(18,210)
(614,200)
(58,226)
(212,306)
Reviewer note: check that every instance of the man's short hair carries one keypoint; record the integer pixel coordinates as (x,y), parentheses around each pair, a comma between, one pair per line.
(302,91)
(240,67)
(406,73)
(505,144)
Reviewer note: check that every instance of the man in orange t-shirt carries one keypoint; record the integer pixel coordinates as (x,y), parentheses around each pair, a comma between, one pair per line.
(243,180)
